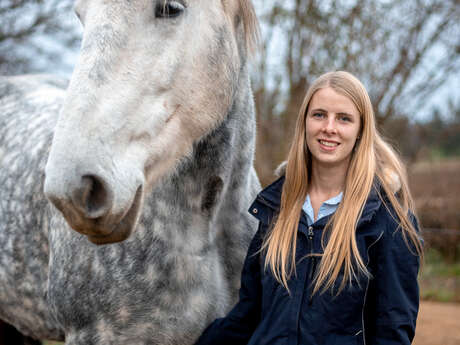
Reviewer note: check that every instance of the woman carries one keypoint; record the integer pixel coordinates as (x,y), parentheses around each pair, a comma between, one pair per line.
(337,252)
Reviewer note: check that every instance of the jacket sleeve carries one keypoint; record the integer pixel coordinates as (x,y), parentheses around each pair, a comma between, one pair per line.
(237,327)
(393,295)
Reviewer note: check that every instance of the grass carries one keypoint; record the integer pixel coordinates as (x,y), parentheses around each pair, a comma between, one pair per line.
(439,279)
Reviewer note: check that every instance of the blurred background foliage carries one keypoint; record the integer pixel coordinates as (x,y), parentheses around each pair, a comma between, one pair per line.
(37,36)
(407,53)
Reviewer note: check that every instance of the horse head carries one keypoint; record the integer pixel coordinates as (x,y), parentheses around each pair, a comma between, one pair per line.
(152,78)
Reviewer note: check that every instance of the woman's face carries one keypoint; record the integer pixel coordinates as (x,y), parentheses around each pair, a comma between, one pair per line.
(332,127)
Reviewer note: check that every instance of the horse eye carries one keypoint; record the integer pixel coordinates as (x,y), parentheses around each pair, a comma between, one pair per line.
(169,9)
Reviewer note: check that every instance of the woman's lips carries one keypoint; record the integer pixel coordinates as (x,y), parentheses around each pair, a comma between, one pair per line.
(328,145)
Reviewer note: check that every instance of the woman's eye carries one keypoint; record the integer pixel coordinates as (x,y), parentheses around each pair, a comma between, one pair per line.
(318,115)
(345,118)
(169,9)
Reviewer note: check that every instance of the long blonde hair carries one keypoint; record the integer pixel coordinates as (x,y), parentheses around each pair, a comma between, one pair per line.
(372,158)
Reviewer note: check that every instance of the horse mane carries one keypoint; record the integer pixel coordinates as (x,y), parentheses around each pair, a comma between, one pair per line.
(250,24)
(243,11)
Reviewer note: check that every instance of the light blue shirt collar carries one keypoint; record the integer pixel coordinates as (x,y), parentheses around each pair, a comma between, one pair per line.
(328,207)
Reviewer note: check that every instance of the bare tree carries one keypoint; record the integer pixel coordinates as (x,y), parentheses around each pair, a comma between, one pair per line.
(34,34)
(403,51)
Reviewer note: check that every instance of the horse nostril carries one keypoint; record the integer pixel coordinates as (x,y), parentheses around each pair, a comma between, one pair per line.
(91,197)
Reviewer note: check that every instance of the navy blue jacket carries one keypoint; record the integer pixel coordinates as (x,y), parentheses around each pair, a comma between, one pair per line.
(380,310)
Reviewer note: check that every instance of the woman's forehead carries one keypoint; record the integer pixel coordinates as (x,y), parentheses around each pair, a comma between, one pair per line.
(329,100)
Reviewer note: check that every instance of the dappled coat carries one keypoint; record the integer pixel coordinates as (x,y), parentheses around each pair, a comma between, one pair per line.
(380,310)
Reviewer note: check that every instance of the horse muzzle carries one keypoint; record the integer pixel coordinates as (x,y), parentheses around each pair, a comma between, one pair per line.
(90,207)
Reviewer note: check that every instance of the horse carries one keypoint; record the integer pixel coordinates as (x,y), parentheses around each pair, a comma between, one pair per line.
(124,191)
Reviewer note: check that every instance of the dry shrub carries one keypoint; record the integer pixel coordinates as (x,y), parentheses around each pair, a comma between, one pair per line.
(436,189)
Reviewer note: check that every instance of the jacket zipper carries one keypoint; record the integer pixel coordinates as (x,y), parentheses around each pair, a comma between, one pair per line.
(367,288)
(311,235)
(304,285)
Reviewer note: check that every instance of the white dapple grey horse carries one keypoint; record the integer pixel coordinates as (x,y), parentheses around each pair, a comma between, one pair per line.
(150,164)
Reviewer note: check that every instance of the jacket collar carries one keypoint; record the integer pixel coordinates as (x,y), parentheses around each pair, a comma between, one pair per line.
(270,196)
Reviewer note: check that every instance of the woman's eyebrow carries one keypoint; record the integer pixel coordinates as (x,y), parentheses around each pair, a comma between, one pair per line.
(344,113)
(320,110)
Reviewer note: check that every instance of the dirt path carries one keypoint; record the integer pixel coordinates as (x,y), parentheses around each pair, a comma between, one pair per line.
(438,324)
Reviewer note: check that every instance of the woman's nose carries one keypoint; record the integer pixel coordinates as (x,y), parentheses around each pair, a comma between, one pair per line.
(330,126)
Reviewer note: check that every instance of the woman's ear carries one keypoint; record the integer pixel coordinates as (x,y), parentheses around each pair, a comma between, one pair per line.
(356,142)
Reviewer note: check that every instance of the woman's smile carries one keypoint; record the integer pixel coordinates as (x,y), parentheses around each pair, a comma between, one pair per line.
(328,145)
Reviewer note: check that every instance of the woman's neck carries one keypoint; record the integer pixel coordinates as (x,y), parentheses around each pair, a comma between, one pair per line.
(327,181)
